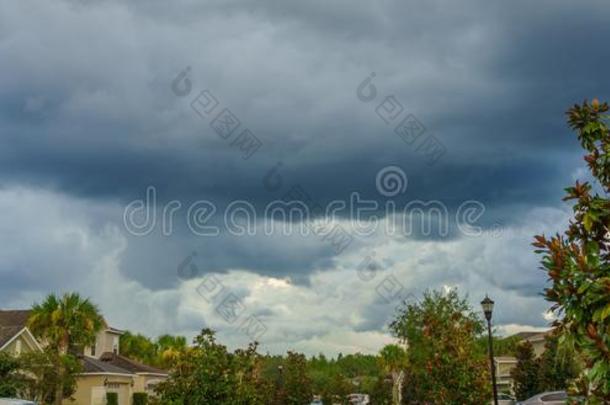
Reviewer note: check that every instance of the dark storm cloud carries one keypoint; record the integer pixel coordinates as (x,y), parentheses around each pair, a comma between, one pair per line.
(86,106)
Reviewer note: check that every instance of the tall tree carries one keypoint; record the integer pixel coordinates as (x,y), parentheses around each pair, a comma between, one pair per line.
(203,375)
(578,262)
(252,388)
(525,373)
(169,349)
(139,347)
(444,360)
(209,374)
(297,388)
(557,367)
(393,361)
(64,323)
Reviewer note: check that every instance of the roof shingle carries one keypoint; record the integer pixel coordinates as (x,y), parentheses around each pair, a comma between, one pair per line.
(129,364)
(11,323)
(14,318)
(91,365)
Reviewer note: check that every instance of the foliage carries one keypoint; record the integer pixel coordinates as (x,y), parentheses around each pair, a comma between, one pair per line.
(140,398)
(42,376)
(208,373)
(10,380)
(162,352)
(506,346)
(353,373)
(578,262)
(296,388)
(525,373)
(336,390)
(381,391)
(67,323)
(138,347)
(112,398)
(556,367)
(393,361)
(251,387)
(444,360)
(168,349)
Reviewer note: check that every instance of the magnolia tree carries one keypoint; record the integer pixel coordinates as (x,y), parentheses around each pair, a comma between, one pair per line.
(578,262)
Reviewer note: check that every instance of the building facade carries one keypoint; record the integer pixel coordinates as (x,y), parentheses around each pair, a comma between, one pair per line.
(104,370)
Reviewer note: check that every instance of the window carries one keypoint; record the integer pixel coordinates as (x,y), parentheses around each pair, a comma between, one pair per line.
(18,347)
(115,344)
(93,349)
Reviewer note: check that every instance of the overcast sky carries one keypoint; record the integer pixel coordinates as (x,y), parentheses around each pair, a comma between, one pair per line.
(94,110)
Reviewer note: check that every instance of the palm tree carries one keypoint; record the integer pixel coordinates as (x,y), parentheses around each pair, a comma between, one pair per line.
(393,360)
(65,323)
(170,348)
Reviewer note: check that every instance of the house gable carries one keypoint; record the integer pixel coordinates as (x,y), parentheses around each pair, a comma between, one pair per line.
(15,340)
(15,336)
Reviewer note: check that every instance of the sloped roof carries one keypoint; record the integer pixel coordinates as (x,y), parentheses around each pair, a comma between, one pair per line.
(7,333)
(128,364)
(91,365)
(529,335)
(11,323)
(115,330)
(14,318)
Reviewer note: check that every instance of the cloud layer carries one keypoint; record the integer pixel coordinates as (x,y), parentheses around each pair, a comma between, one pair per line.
(88,120)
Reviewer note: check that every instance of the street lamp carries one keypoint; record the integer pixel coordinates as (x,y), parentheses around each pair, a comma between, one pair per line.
(280,369)
(488,307)
(279,394)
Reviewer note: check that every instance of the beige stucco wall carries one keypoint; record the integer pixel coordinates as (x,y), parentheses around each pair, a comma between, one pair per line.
(86,385)
(104,342)
(142,382)
(503,369)
(538,347)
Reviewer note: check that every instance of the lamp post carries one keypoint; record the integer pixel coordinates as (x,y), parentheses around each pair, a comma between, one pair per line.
(280,391)
(488,307)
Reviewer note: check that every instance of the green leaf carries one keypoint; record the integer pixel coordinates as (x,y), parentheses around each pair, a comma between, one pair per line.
(602,313)
(588,222)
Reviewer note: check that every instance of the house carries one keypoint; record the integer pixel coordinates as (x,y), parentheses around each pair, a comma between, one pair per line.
(504,365)
(103,368)
(537,339)
(15,337)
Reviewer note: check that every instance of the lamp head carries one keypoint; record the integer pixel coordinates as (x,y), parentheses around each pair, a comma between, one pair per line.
(488,307)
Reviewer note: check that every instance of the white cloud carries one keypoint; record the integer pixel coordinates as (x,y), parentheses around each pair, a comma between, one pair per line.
(65,244)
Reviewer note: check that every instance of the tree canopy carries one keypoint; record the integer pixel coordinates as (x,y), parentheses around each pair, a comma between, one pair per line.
(444,360)
(578,262)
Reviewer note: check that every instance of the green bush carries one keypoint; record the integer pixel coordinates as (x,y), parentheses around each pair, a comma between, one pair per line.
(112,398)
(140,398)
